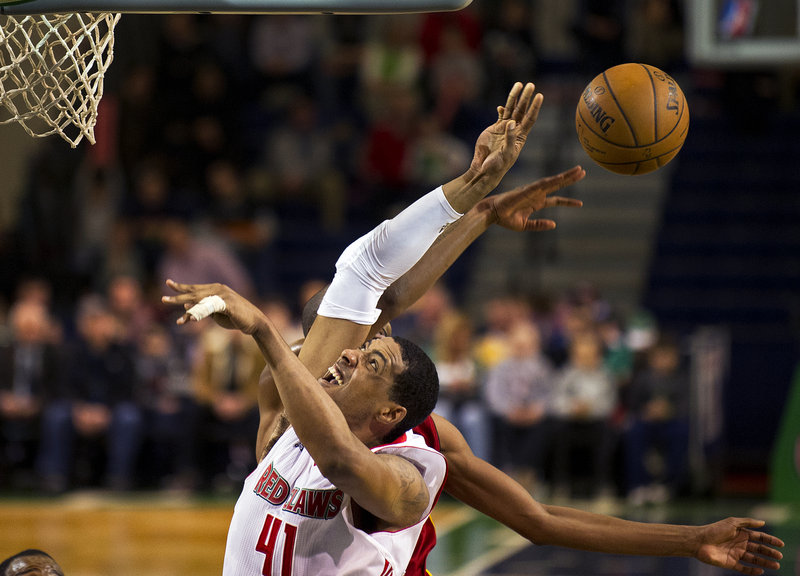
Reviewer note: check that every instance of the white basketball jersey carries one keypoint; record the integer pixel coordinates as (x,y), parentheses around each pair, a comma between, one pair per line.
(290,520)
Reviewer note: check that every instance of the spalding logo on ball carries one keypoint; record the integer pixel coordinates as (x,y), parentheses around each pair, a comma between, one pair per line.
(632,119)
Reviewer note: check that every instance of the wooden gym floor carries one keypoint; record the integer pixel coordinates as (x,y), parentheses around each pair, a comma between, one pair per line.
(96,534)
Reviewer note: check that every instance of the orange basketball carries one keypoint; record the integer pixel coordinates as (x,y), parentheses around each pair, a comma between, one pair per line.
(632,119)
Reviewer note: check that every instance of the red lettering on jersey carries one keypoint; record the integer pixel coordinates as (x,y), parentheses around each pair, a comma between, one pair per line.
(292,497)
(298,507)
(272,487)
(335,504)
(317,503)
(322,504)
(387,569)
(261,484)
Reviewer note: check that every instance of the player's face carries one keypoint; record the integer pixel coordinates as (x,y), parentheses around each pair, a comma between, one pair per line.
(34,565)
(361,379)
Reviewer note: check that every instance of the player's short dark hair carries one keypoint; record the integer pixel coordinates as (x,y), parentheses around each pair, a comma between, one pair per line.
(6,564)
(416,388)
(310,309)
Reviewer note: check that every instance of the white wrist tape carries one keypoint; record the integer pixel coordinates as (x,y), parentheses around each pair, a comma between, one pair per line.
(206,307)
(370,264)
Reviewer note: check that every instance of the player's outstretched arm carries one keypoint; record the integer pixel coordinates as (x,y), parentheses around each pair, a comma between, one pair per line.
(398,244)
(512,210)
(390,487)
(733,543)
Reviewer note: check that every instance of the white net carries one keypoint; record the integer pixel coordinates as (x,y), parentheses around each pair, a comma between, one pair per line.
(51,72)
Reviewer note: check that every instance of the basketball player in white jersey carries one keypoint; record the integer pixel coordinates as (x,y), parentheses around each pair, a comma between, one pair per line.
(348,487)
(731,543)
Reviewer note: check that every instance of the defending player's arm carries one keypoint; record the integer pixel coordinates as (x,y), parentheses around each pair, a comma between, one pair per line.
(731,543)
(388,486)
(512,210)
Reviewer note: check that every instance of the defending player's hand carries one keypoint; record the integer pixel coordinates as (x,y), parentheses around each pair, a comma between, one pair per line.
(499,145)
(734,545)
(223,304)
(513,209)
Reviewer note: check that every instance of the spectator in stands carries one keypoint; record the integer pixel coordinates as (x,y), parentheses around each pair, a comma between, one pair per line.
(132,312)
(600,31)
(95,424)
(391,60)
(460,387)
(387,151)
(584,399)
(98,197)
(299,162)
(189,255)
(225,382)
(518,393)
(509,47)
(422,318)
(284,51)
(656,34)
(501,313)
(455,81)
(433,25)
(151,203)
(244,222)
(29,371)
(658,421)
(163,390)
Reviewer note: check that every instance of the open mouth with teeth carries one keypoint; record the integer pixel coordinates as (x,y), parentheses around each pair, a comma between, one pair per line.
(333,376)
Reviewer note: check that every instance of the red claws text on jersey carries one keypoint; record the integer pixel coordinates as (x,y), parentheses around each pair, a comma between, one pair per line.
(322,504)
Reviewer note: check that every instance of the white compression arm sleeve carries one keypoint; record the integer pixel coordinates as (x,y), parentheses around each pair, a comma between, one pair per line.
(370,264)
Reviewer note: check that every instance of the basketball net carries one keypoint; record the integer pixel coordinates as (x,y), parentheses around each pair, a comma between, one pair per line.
(51,72)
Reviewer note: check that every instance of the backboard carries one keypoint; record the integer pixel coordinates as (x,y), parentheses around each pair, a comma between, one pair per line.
(738,33)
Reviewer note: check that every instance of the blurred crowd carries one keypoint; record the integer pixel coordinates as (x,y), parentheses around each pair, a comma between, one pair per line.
(215,134)
(559,392)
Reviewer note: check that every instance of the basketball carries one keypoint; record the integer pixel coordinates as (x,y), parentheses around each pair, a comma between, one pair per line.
(632,119)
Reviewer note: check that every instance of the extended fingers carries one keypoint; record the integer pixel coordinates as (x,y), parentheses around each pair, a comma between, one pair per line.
(765,553)
(763,537)
(555,201)
(762,556)
(524,102)
(749,570)
(758,562)
(177,286)
(531,113)
(559,181)
(511,101)
(187,298)
(575,174)
(188,294)
(539,225)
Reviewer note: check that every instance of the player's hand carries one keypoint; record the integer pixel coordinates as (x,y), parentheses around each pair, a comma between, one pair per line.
(734,545)
(513,209)
(498,146)
(236,312)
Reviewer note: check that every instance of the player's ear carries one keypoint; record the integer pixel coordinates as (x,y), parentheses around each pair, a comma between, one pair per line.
(391,414)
